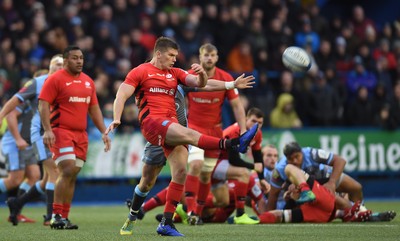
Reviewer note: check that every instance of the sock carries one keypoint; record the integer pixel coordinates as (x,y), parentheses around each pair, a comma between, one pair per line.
(240,191)
(174,194)
(137,201)
(211,143)
(23,188)
(267,217)
(33,193)
(204,190)
(3,187)
(304,187)
(58,209)
(65,211)
(49,198)
(158,200)
(191,190)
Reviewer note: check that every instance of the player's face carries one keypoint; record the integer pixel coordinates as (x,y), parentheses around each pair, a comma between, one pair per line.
(74,62)
(254,119)
(208,60)
(296,159)
(168,58)
(270,157)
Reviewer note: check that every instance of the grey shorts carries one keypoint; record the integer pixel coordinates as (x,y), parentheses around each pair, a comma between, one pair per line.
(154,155)
(18,160)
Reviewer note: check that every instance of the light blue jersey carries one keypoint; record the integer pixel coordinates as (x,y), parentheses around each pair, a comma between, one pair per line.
(30,94)
(280,204)
(312,158)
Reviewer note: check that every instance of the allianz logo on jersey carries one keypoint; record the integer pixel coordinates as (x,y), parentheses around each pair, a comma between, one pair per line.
(162,90)
(79,99)
(206,101)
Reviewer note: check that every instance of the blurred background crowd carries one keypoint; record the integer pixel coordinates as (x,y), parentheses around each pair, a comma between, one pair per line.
(354,80)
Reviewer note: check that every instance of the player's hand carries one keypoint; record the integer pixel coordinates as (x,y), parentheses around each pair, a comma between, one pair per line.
(242,82)
(49,138)
(198,69)
(265,186)
(106,141)
(1,121)
(112,126)
(21,144)
(331,186)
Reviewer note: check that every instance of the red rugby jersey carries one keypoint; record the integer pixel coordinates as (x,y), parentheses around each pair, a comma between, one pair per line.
(204,108)
(155,89)
(69,98)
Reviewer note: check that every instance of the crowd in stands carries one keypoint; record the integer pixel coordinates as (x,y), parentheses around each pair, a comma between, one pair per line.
(354,80)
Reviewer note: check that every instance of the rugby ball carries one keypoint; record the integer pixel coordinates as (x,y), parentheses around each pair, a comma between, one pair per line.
(296,59)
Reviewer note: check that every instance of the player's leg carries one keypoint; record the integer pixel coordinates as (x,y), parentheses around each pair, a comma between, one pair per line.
(352,187)
(241,177)
(63,191)
(195,160)
(16,165)
(210,161)
(177,158)
(50,175)
(297,177)
(146,183)
(154,160)
(179,135)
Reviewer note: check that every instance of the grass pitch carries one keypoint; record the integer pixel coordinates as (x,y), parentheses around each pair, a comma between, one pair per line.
(103,223)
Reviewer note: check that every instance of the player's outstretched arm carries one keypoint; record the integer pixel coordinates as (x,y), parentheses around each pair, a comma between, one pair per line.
(241,82)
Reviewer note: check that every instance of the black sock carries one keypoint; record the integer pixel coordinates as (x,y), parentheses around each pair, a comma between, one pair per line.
(49,201)
(229,144)
(239,212)
(32,194)
(21,192)
(137,202)
(168,218)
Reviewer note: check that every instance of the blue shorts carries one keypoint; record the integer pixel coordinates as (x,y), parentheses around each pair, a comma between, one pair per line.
(40,150)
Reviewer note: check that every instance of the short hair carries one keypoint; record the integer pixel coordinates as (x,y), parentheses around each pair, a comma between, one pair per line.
(255,111)
(56,56)
(290,148)
(164,43)
(69,49)
(207,48)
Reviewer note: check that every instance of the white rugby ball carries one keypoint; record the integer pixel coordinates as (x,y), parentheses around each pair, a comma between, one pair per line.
(296,59)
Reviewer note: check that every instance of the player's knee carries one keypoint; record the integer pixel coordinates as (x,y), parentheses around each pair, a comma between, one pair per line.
(180,173)
(195,166)
(15,181)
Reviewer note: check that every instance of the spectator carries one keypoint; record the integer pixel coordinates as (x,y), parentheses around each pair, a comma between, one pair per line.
(324,56)
(361,109)
(383,51)
(306,36)
(360,23)
(284,114)
(323,103)
(240,58)
(360,77)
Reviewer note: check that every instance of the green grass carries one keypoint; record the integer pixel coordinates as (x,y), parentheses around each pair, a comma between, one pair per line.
(103,223)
